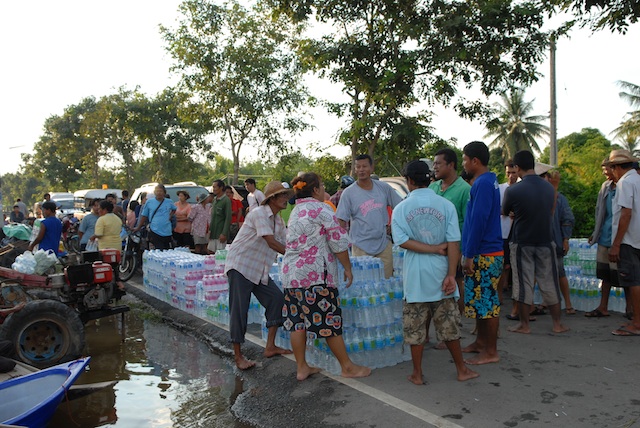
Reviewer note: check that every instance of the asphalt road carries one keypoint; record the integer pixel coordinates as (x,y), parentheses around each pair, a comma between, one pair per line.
(585,377)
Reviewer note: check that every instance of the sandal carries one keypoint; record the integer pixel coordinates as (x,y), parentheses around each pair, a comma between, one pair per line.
(570,311)
(596,313)
(537,311)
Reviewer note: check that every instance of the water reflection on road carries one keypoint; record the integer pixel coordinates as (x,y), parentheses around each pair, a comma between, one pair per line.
(164,379)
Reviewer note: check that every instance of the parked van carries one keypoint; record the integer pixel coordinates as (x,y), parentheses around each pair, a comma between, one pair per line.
(84,197)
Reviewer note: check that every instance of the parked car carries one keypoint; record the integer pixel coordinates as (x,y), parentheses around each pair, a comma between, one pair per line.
(84,197)
(399,184)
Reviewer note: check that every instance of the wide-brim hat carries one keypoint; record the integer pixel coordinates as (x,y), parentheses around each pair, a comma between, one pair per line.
(274,188)
(620,156)
(541,168)
(202,196)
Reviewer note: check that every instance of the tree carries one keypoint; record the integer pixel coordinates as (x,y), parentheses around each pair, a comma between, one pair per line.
(513,127)
(69,147)
(387,56)
(616,15)
(580,155)
(629,130)
(171,138)
(240,66)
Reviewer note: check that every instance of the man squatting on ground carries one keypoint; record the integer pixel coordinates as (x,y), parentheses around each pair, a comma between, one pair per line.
(426,226)
(249,259)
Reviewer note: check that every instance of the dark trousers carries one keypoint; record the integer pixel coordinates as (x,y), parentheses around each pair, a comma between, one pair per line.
(240,289)
(160,242)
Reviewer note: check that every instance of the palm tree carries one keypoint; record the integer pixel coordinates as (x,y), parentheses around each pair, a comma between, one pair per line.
(513,127)
(629,130)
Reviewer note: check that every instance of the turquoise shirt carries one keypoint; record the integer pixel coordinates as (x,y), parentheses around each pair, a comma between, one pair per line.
(425,217)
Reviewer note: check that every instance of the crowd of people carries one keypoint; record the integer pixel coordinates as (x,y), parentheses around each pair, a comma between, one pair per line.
(467,241)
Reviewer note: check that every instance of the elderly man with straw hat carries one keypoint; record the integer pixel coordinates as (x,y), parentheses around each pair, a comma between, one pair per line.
(625,248)
(249,259)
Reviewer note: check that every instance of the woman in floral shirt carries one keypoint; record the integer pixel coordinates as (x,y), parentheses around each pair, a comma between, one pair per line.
(199,218)
(310,276)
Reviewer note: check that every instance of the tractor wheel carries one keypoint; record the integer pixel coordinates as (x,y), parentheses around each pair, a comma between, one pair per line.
(45,333)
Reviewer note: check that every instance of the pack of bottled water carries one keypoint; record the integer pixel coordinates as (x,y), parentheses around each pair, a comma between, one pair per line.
(371,317)
(194,283)
(584,288)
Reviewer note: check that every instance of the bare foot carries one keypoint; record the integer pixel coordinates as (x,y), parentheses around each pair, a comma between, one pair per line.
(243,364)
(441,346)
(275,350)
(355,370)
(302,374)
(472,348)
(467,374)
(483,358)
(519,329)
(418,380)
(560,328)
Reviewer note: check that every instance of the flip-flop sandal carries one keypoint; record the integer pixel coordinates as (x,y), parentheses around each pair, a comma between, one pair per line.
(517,318)
(596,313)
(624,332)
(570,311)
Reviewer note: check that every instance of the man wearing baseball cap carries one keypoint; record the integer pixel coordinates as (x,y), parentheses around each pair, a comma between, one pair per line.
(249,259)
(625,248)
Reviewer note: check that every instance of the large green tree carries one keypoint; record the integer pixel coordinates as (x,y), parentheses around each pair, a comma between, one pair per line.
(68,152)
(389,55)
(513,127)
(579,157)
(240,66)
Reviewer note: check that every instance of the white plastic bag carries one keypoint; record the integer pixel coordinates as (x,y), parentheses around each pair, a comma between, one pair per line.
(25,263)
(92,245)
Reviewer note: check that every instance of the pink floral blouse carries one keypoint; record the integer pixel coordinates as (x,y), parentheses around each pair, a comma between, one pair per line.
(313,237)
(199,217)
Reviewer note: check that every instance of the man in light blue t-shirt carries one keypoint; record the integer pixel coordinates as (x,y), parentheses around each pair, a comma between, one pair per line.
(157,212)
(365,205)
(426,226)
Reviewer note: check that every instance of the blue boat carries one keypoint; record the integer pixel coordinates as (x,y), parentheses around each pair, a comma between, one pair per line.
(32,399)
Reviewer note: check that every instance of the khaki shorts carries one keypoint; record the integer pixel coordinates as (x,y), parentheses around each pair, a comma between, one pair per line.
(444,313)
(200,240)
(215,245)
(386,256)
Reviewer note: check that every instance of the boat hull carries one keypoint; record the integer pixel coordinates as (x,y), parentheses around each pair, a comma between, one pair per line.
(32,399)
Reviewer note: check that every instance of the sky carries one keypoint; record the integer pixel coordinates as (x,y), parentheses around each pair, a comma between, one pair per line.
(55,53)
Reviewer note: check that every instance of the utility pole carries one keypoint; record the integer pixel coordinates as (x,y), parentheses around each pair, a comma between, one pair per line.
(553,144)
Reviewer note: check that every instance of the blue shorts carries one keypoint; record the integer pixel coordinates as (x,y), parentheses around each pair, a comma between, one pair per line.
(481,299)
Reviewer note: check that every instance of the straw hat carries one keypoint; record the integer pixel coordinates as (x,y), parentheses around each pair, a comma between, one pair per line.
(621,156)
(275,188)
(541,168)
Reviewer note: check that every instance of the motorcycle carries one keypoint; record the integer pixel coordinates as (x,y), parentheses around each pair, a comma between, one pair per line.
(131,255)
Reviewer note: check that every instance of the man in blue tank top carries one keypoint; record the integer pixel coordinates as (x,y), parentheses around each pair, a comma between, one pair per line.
(50,230)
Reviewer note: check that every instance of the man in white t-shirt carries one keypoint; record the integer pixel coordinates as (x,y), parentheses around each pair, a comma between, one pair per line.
(255,196)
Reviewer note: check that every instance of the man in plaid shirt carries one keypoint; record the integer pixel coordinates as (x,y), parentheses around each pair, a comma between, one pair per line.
(249,259)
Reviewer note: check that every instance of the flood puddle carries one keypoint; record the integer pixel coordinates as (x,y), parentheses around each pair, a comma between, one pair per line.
(164,379)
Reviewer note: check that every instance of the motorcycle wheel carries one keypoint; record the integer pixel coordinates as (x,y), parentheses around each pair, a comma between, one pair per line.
(44,333)
(127,267)
(73,244)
